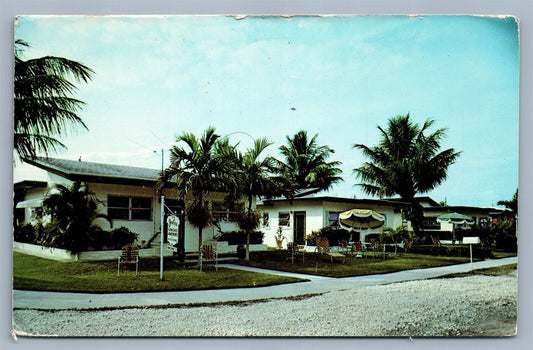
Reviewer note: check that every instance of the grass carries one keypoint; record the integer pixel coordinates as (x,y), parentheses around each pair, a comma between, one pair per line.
(490,271)
(321,264)
(500,254)
(33,273)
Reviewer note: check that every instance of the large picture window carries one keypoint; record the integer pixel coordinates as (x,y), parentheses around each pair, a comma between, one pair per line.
(129,208)
(222,212)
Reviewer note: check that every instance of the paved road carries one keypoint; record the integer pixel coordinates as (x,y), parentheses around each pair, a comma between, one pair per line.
(316,284)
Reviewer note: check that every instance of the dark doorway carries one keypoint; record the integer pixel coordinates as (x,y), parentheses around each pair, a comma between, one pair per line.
(299,227)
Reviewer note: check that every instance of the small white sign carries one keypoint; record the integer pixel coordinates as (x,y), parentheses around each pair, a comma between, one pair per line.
(173,225)
(471,240)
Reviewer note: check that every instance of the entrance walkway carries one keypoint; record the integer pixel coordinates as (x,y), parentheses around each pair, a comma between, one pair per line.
(317,284)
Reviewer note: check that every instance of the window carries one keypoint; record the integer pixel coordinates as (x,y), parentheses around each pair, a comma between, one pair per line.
(333,218)
(266,220)
(284,219)
(222,212)
(129,208)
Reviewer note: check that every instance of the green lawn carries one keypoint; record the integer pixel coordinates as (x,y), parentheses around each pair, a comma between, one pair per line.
(490,271)
(33,273)
(500,254)
(321,264)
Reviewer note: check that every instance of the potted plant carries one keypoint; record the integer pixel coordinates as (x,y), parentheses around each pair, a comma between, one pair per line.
(280,237)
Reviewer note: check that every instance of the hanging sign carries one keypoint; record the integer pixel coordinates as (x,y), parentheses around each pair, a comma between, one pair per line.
(173,225)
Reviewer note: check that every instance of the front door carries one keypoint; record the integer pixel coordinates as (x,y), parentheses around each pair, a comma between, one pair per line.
(299,227)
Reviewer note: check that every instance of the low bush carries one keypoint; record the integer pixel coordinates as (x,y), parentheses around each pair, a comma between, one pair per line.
(95,239)
(334,235)
(239,237)
(478,251)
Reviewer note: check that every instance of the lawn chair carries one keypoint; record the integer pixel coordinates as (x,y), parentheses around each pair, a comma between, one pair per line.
(129,255)
(357,247)
(322,246)
(209,253)
(294,250)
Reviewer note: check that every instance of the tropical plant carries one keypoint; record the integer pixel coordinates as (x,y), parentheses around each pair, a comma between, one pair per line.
(511,204)
(203,165)
(43,105)
(305,164)
(407,161)
(72,212)
(254,177)
(400,234)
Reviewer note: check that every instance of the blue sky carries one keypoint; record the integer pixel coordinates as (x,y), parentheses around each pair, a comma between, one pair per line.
(335,76)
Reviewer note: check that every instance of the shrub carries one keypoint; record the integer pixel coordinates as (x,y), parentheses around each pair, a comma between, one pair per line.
(478,251)
(239,237)
(333,235)
(96,238)
(115,239)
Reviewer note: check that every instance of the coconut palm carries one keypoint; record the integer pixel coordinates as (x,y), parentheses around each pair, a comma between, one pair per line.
(43,105)
(203,165)
(407,161)
(255,178)
(306,165)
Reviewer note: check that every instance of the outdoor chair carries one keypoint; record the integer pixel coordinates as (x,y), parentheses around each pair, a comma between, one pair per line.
(129,255)
(209,253)
(358,248)
(322,246)
(294,251)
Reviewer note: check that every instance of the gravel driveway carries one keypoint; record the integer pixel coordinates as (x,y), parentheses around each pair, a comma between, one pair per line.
(475,305)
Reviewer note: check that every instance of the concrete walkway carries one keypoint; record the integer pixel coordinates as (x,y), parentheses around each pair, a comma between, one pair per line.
(316,284)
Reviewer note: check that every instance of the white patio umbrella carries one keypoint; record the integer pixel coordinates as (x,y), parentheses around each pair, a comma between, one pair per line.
(360,220)
(456,219)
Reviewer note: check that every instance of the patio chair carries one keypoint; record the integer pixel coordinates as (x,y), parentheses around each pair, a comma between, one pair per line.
(322,246)
(294,250)
(358,248)
(209,253)
(129,255)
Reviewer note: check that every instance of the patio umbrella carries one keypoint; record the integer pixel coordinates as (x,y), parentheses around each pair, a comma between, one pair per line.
(361,219)
(456,219)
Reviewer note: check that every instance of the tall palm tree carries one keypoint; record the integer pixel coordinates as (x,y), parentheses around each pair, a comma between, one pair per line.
(407,161)
(306,164)
(202,166)
(255,178)
(43,104)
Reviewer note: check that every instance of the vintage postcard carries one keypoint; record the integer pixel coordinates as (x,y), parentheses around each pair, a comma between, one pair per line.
(265,176)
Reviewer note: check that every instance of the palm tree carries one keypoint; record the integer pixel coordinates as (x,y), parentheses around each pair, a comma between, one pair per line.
(204,165)
(72,211)
(43,105)
(306,164)
(254,177)
(407,161)
(512,204)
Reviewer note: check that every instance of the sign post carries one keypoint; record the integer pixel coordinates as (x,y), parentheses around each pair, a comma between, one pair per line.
(470,241)
(173,228)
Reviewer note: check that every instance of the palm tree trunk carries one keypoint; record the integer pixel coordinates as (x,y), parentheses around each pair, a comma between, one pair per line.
(200,247)
(247,256)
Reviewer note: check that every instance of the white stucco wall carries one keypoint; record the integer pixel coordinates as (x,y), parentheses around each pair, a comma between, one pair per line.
(144,228)
(317,216)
